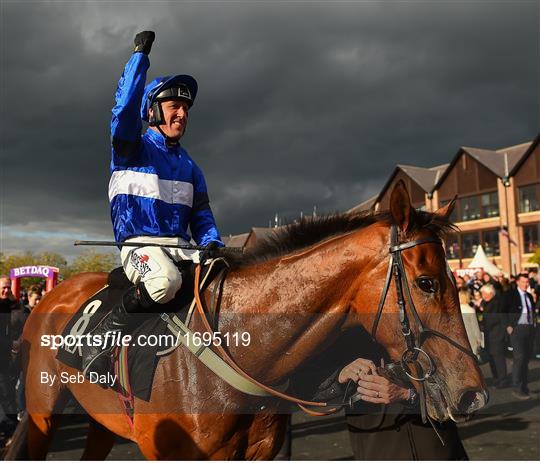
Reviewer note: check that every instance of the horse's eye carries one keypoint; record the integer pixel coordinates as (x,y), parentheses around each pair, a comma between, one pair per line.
(428,285)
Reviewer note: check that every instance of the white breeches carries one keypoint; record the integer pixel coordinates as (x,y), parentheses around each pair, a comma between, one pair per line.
(154,266)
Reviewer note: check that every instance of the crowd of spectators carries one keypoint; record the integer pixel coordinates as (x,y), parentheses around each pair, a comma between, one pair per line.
(501,316)
(13,315)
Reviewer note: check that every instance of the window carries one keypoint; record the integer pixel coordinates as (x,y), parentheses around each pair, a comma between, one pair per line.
(529,198)
(469,244)
(452,246)
(530,237)
(464,246)
(490,205)
(476,207)
(470,208)
(490,242)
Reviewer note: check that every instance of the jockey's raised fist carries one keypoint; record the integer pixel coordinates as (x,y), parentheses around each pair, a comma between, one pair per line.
(143,41)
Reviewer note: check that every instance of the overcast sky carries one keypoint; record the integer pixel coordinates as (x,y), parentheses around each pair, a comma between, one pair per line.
(299,103)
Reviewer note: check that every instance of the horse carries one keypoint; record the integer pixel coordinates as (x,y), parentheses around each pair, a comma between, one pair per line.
(294,295)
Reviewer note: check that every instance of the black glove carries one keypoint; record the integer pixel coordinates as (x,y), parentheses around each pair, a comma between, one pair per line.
(209,252)
(143,41)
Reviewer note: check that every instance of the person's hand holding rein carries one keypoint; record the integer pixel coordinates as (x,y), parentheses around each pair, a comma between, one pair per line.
(373,387)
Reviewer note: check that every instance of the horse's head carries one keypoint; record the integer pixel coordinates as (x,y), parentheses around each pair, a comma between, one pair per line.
(437,351)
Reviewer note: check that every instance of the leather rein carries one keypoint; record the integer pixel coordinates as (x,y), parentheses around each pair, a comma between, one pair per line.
(409,357)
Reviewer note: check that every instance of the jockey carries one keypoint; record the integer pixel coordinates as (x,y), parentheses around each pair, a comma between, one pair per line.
(156,191)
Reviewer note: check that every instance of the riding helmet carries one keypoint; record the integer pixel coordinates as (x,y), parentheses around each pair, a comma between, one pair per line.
(164,88)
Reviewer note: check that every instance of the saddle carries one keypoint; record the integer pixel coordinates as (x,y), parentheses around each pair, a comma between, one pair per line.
(134,365)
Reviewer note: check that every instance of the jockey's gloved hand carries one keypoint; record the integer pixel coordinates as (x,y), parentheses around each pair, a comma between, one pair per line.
(209,251)
(143,41)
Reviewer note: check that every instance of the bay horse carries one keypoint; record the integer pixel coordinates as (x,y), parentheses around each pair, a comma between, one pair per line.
(294,295)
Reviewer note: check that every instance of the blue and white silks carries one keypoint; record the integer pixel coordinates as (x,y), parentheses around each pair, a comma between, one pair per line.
(154,190)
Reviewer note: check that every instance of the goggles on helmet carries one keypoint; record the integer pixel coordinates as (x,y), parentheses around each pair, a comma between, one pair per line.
(182,91)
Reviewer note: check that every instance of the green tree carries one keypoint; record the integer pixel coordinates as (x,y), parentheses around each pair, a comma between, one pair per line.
(535,258)
(92,261)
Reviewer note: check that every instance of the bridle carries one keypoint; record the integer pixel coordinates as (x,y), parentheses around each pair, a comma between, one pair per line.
(413,350)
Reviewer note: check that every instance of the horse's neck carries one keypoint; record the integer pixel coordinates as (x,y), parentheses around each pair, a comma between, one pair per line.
(292,306)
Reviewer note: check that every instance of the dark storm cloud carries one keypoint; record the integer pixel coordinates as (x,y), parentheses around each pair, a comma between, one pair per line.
(299,104)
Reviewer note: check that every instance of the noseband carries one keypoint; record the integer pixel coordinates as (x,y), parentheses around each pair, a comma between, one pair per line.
(413,352)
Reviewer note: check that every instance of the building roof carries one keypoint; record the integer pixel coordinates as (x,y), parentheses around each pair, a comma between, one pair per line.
(236,241)
(426,178)
(364,206)
(501,162)
(531,147)
(262,233)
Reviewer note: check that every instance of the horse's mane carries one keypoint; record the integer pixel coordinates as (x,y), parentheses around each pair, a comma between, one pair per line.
(311,230)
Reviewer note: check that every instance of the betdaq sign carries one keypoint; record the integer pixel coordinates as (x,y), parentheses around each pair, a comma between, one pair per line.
(40,271)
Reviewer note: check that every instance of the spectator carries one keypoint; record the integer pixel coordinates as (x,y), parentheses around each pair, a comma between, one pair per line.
(476,302)
(494,334)
(533,283)
(478,281)
(520,326)
(537,336)
(19,316)
(8,303)
(471,321)
(512,285)
(486,279)
(395,431)
(496,282)
(505,284)
(392,432)
(18,319)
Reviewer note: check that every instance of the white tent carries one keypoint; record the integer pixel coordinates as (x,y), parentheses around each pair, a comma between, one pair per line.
(481,260)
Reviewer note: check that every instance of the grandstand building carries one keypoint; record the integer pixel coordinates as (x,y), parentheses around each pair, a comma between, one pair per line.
(498,201)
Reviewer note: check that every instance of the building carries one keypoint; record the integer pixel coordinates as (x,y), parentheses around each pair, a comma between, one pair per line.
(419,181)
(497,205)
(250,239)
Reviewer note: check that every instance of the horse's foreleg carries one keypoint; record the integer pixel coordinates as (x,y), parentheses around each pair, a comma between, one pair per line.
(99,441)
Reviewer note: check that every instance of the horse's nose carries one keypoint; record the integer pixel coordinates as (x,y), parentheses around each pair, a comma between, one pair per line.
(472,400)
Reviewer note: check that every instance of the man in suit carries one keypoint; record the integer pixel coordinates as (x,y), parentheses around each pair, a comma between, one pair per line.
(494,333)
(520,327)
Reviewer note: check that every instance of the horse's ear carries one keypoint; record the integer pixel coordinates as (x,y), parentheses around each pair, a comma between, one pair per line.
(400,206)
(447,209)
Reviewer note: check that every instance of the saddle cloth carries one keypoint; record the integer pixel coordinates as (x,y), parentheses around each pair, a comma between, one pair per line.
(142,357)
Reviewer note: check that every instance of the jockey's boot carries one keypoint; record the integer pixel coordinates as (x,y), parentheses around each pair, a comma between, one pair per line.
(97,358)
